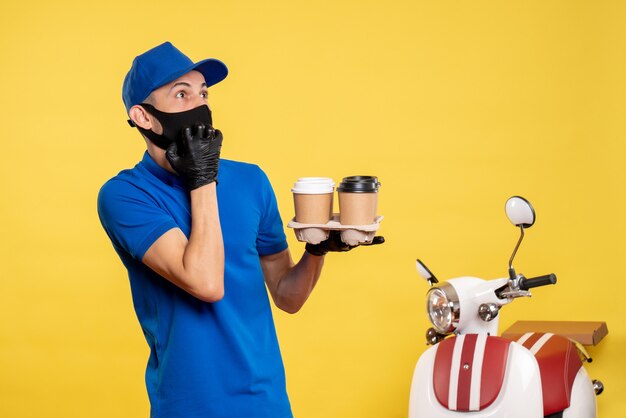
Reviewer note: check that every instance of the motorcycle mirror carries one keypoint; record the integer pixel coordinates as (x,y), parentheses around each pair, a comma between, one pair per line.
(520,212)
(425,273)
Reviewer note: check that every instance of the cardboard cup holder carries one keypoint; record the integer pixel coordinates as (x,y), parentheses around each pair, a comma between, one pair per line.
(350,234)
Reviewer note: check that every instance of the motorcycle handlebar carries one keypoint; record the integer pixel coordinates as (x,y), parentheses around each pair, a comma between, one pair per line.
(525,284)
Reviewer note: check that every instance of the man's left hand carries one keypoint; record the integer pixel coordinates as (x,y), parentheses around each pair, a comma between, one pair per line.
(335,244)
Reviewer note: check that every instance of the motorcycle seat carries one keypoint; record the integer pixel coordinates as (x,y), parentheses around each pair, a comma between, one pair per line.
(469,371)
(559,363)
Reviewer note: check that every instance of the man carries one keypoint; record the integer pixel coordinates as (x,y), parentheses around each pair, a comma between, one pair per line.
(200,247)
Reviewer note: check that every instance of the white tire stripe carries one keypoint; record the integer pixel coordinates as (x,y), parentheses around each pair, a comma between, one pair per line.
(540,342)
(454,372)
(477,372)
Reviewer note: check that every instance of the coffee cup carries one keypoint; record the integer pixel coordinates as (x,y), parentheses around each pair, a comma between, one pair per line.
(358,200)
(313,199)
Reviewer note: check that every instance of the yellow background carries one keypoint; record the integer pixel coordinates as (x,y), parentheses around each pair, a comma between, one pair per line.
(455,105)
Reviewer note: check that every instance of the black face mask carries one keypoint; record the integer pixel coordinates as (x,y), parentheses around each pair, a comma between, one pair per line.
(174,123)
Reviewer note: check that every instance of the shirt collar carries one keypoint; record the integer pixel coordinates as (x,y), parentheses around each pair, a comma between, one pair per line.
(161,173)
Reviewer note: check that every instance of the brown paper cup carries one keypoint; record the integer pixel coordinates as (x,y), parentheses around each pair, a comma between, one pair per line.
(313,208)
(357,208)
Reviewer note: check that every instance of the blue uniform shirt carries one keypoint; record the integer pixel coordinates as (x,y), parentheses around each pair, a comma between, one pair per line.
(208,360)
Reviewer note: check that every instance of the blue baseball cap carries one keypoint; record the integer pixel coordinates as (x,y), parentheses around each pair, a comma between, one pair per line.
(161,65)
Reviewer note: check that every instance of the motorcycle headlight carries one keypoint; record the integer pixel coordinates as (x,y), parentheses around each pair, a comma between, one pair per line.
(442,304)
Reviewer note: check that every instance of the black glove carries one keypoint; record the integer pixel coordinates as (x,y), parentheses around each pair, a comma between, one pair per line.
(335,244)
(197,156)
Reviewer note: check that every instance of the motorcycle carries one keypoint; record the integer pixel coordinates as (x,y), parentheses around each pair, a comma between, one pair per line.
(471,372)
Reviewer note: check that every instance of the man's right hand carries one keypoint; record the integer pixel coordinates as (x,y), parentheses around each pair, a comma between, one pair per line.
(196,157)
(195,263)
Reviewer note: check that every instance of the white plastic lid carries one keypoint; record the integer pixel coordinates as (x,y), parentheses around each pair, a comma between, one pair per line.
(314,185)
(316,180)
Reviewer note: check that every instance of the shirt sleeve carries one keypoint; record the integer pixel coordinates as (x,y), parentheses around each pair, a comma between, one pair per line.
(131,218)
(271,238)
